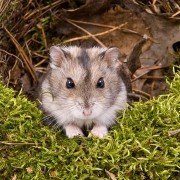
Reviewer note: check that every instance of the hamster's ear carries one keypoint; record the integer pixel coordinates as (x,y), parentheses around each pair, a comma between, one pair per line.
(56,56)
(113,57)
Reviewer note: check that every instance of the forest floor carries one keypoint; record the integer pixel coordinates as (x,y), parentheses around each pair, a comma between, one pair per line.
(145,142)
(29,28)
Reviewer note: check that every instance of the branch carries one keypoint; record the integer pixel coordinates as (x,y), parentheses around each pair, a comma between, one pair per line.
(98,34)
(87,32)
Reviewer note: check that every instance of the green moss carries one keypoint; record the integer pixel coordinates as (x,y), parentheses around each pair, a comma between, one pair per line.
(138,147)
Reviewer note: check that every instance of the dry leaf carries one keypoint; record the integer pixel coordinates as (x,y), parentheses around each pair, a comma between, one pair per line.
(54,173)
(29,170)
(89,8)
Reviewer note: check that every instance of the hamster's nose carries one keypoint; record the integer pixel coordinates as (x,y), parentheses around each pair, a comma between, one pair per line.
(87,111)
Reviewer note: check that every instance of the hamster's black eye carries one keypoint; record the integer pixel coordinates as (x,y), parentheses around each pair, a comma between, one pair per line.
(100,83)
(70,83)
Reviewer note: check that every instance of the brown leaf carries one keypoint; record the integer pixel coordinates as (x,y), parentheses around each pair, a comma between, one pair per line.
(89,8)
(26,83)
(133,61)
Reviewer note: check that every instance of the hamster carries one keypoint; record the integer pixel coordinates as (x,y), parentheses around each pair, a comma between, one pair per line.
(83,87)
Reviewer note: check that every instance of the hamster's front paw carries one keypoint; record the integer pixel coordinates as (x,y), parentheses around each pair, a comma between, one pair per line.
(99,131)
(72,131)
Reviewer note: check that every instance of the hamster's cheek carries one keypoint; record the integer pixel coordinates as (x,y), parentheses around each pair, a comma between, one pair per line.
(77,113)
(97,110)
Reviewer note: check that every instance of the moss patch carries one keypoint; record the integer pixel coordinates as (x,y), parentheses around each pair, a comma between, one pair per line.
(138,147)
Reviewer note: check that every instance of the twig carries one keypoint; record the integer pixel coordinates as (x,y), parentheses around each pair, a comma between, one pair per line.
(175,14)
(2,50)
(39,63)
(154,2)
(136,78)
(87,32)
(4,8)
(149,68)
(28,16)
(22,53)
(29,52)
(40,55)
(91,23)
(16,143)
(1,5)
(36,41)
(142,93)
(43,34)
(9,77)
(98,34)
(41,68)
(2,62)
(152,77)
(41,71)
(136,97)
(125,30)
(152,87)
(154,67)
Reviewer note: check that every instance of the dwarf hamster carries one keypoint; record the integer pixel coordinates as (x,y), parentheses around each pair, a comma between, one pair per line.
(83,87)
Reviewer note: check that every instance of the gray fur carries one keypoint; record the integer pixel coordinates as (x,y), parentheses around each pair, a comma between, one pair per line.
(84,59)
(85,104)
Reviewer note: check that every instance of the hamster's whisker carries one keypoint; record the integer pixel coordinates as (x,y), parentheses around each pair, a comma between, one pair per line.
(48,121)
(51,122)
(63,112)
(59,109)
(56,125)
(47,117)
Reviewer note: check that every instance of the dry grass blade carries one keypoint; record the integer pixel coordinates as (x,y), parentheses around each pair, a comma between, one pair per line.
(154,67)
(2,50)
(45,8)
(142,93)
(16,143)
(152,77)
(148,69)
(23,55)
(125,30)
(87,32)
(98,34)
(175,14)
(91,23)
(3,6)
(111,175)
(43,34)
(154,2)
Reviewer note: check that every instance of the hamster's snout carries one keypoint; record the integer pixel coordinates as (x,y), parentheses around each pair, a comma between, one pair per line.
(87,108)
(87,111)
